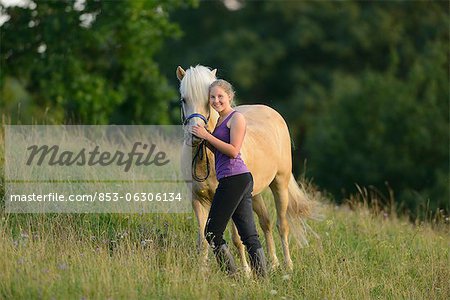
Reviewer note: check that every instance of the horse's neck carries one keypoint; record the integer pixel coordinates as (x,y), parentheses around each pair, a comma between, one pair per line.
(214,116)
(201,172)
(201,164)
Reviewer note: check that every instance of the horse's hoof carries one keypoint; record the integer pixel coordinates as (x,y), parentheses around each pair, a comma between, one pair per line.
(290,267)
(275,264)
(247,271)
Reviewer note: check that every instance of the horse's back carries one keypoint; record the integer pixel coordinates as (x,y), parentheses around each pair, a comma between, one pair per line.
(266,124)
(267,146)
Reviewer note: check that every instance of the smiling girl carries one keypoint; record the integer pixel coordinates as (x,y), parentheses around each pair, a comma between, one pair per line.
(233,196)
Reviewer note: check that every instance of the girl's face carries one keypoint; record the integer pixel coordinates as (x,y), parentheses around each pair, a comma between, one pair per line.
(219,99)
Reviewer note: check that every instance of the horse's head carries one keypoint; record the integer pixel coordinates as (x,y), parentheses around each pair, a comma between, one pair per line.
(195,108)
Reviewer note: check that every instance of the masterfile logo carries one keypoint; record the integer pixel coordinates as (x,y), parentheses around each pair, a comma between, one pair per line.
(53,156)
(96,169)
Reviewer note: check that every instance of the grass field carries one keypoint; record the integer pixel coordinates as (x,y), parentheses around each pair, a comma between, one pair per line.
(93,256)
(362,253)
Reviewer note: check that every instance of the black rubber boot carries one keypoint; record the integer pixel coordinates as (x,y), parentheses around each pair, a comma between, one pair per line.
(225,259)
(258,263)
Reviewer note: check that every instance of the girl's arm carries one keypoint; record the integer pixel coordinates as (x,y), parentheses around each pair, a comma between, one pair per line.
(210,147)
(237,133)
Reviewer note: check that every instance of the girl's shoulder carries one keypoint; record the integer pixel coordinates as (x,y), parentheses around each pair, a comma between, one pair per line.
(237,114)
(236,118)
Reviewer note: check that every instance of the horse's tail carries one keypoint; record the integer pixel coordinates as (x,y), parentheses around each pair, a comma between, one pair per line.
(301,207)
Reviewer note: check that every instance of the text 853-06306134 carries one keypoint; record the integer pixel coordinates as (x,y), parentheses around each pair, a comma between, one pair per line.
(97,196)
(158,197)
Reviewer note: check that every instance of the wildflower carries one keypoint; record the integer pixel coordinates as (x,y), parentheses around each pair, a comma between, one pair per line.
(273,292)
(123,234)
(144,243)
(286,277)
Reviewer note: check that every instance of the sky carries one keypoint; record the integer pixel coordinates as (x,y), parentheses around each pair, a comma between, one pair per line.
(22,3)
(14,2)
(230,4)
(29,3)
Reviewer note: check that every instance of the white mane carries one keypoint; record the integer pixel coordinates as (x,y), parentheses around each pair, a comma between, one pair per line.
(195,84)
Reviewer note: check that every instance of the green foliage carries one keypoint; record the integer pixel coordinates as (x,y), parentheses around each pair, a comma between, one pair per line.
(394,137)
(389,126)
(93,64)
(362,85)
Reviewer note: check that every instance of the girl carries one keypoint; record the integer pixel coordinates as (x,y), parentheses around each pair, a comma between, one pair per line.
(233,197)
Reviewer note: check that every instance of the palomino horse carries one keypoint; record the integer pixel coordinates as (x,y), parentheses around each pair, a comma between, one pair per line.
(266,151)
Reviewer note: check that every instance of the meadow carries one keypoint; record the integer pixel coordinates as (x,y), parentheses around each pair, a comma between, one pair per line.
(360,85)
(363,251)
(360,255)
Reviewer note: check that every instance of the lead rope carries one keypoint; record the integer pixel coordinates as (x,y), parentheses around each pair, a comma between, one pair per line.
(200,151)
(201,148)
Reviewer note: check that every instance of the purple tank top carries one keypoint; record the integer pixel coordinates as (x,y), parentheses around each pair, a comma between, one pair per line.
(225,165)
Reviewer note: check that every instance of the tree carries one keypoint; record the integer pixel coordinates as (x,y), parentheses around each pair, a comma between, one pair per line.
(362,85)
(91,63)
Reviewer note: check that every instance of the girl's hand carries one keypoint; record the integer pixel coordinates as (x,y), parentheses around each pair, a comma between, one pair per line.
(199,131)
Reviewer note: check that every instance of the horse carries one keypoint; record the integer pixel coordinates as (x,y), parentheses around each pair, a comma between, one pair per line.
(266,150)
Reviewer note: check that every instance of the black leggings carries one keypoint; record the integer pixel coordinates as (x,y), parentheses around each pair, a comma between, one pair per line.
(233,199)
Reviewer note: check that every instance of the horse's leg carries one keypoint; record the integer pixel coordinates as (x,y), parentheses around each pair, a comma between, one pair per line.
(240,246)
(279,187)
(264,221)
(201,214)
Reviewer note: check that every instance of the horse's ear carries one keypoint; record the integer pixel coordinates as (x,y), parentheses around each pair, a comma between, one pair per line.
(214,72)
(180,73)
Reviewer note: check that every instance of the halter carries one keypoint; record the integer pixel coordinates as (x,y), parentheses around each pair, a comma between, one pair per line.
(201,147)
(185,120)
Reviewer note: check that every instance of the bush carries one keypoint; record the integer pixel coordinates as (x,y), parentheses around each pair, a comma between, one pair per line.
(383,129)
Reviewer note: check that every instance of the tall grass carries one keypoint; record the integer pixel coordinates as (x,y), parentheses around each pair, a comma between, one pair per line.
(116,256)
(362,253)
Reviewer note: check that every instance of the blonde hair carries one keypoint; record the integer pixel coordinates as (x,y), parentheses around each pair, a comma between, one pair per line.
(226,86)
